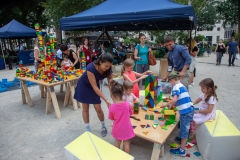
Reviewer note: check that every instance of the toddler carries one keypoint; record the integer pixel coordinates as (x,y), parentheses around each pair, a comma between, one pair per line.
(120,112)
(66,62)
(128,95)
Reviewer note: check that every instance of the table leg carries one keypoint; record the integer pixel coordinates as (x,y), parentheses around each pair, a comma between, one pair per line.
(23,94)
(65,103)
(55,102)
(45,91)
(61,88)
(162,151)
(156,151)
(72,88)
(80,104)
(25,88)
(42,90)
(48,102)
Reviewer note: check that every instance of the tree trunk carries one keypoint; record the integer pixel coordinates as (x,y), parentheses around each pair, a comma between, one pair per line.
(58,34)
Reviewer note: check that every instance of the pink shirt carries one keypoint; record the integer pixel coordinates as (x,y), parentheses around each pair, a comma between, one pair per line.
(122,127)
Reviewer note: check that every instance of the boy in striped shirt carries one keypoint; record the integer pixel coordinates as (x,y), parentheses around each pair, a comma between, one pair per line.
(183,102)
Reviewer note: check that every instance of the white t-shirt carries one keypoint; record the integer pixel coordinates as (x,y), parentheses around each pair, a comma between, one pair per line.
(67,63)
(36,48)
(129,98)
(59,54)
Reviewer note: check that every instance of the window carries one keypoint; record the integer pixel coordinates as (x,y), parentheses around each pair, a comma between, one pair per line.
(218,38)
(218,28)
(218,21)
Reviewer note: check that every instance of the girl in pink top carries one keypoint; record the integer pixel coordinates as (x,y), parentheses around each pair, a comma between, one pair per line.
(129,74)
(120,112)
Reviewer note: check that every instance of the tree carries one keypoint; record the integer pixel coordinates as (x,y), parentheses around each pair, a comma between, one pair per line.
(230,13)
(56,9)
(205,12)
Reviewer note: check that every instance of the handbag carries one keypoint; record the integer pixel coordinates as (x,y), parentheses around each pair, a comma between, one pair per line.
(151,59)
(237,56)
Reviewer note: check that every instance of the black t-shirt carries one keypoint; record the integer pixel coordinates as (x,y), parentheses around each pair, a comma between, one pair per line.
(77,66)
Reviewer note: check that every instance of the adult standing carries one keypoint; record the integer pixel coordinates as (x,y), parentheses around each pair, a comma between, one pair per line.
(220,49)
(179,60)
(141,56)
(37,58)
(71,55)
(87,50)
(193,50)
(209,48)
(88,89)
(232,50)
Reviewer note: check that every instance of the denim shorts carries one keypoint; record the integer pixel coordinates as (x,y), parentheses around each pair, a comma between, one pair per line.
(185,121)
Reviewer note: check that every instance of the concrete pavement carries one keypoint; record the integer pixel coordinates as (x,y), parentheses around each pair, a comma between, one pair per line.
(27,133)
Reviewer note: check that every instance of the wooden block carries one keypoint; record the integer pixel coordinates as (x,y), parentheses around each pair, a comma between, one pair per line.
(25,88)
(48,102)
(23,94)
(55,102)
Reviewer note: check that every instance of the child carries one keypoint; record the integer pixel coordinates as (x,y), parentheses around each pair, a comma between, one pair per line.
(184,104)
(128,95)
(129,74)
(120,112)
(207,110)
(66,62)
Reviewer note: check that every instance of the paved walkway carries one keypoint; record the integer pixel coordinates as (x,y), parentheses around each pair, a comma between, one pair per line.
(28,133)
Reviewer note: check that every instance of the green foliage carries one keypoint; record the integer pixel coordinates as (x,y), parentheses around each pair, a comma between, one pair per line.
(27,12)
(205,12)
(127,41)
(56,9)
(200,37)
(228,10)
(213,48)
(135,40)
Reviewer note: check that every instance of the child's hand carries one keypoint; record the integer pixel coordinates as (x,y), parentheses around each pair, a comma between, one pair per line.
(149,72)
(144,76)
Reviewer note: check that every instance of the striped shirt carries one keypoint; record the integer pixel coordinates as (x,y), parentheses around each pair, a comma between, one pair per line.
(184,102)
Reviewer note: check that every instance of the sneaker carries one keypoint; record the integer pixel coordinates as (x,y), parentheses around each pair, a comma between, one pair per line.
(190,85)
(193,84)
(104,132)
(88,129)
(233,65)
(178,152)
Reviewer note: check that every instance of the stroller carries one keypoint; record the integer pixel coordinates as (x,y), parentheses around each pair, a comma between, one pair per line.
(117,59)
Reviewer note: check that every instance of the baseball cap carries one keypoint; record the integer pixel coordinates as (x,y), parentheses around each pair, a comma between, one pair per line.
(173,74)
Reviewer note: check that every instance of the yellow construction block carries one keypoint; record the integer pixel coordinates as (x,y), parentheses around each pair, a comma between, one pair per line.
(90,147)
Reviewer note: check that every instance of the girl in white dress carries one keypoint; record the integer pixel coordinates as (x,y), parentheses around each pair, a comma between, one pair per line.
(66,62)
(207,110)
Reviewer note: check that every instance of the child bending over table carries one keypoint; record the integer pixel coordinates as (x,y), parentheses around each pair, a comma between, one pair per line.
(183,102)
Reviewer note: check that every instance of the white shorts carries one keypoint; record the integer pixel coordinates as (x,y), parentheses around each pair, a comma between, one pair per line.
(192,65)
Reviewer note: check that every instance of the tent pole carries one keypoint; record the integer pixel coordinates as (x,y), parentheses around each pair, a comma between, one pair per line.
(3,52)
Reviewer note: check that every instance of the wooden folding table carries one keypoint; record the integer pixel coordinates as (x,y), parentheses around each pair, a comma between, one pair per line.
(50,93)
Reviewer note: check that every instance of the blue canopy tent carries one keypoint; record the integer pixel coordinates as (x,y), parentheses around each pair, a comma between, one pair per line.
(15,30)
(128,15)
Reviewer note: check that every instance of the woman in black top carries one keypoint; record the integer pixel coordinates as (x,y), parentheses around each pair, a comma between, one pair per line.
(71,55)
(220,49)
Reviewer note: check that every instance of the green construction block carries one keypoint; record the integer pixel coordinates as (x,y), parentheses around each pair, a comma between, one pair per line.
(175,109)
(164,127)
(169,122)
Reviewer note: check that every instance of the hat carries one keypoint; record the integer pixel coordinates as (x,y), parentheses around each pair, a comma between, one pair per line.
(173,74)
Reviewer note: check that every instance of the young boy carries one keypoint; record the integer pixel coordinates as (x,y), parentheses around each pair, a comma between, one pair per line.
(183,102)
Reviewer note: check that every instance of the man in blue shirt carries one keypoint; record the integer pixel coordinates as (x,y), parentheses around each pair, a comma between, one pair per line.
(231,50)
(179,60)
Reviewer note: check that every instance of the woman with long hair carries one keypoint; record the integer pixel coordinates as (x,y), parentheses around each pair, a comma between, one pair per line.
(87,50)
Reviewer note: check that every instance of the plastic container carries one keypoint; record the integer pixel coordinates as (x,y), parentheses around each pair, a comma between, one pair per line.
(165,87)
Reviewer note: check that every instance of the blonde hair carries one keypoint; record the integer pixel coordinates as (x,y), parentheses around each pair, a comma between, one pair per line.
(127,85)
(191,44)
(127,63)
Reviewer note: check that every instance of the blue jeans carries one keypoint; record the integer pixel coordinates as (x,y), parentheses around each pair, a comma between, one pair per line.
(185,120)
(232,56)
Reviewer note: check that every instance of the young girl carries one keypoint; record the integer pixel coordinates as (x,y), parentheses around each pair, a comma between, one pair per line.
(129,74)
(66,62)
(128,95)
(207,110)
(120,112)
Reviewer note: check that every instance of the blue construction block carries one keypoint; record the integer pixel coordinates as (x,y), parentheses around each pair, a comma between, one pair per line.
(16,80)
(4,80)
(3,88)
(6,83)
